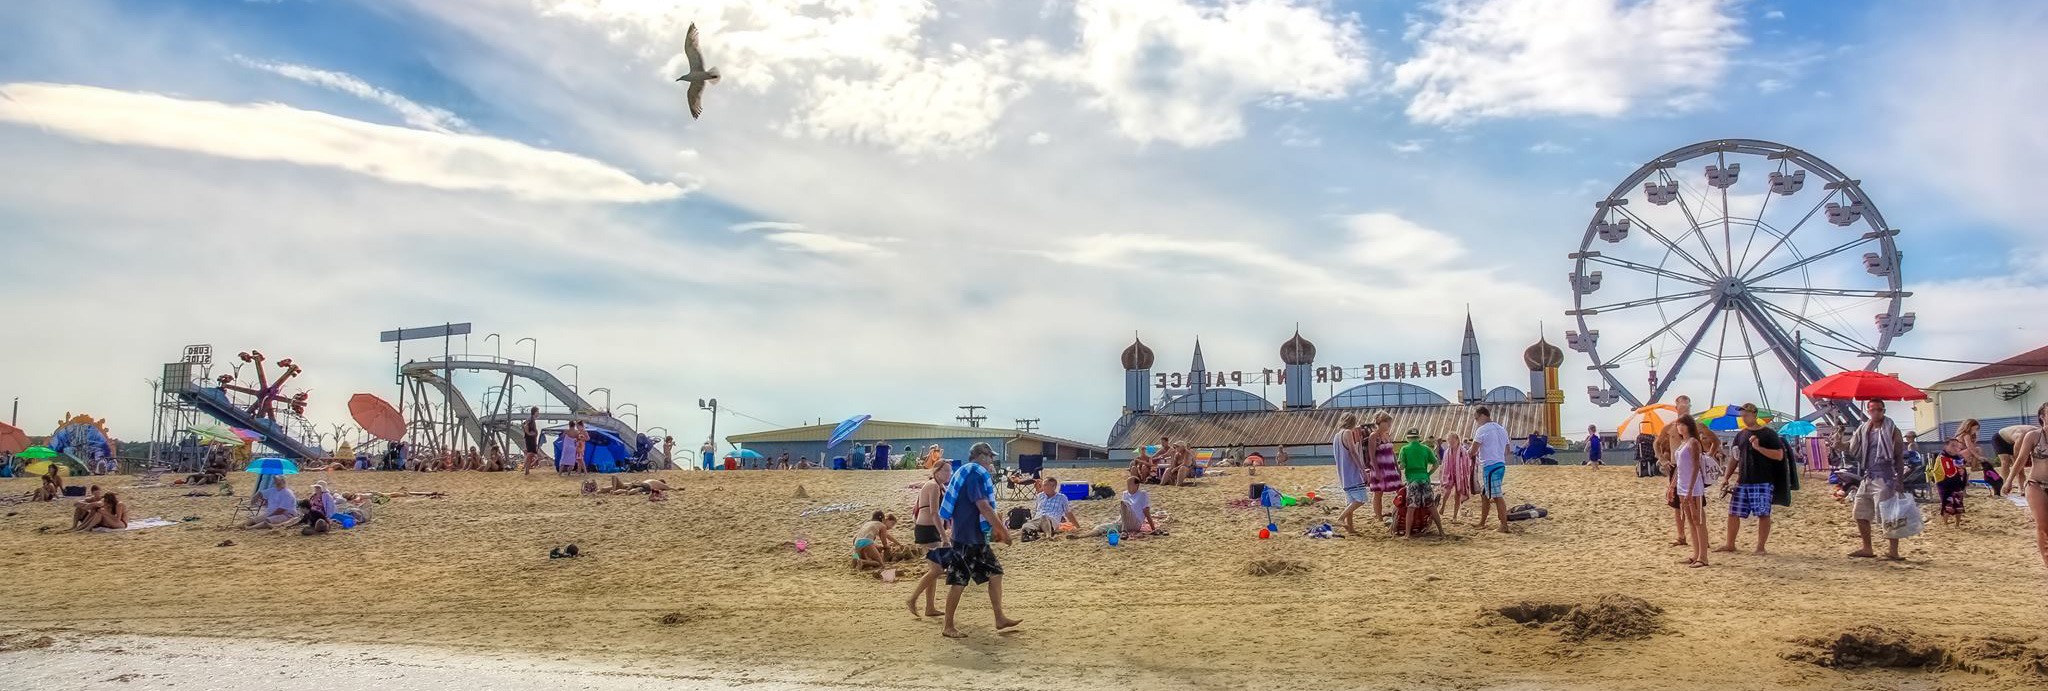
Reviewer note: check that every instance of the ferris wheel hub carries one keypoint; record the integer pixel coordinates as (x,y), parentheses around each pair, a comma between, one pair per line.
(1732,286)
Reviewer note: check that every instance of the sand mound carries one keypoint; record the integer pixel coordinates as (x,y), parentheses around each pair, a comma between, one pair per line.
(1873,646)
(1275,567)
(1612,617)
(801,494)
(10,643)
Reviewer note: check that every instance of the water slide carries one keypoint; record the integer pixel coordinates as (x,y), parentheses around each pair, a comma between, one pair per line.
(215,404)
(464,416)
(578,409)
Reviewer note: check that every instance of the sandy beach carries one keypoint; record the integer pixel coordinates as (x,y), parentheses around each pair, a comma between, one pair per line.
(707,591)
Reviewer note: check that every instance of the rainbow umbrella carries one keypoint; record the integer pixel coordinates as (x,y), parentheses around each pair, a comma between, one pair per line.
(1728,418)
(246,435)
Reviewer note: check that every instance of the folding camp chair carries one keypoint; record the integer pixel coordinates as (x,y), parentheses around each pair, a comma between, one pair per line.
(1032,466)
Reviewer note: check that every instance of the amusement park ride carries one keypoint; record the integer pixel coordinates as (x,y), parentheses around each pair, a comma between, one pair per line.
(267,395)
(1667,237)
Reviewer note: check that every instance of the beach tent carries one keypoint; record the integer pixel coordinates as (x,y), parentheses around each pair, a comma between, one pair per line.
(605,452)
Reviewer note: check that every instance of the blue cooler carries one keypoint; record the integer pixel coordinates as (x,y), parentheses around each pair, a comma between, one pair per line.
(838,462)
(1075,490)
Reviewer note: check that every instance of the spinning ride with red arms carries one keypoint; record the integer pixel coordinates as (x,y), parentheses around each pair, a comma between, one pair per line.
(268,395)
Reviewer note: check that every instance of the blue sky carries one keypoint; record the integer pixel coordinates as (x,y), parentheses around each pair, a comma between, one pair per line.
(901,206)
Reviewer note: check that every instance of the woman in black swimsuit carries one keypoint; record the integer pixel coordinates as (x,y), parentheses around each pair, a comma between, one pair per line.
(530,441)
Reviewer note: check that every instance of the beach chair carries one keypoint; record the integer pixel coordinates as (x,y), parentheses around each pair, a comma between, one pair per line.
(1032,466)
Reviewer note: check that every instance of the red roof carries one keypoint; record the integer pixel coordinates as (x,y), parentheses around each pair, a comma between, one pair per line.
(2029,362)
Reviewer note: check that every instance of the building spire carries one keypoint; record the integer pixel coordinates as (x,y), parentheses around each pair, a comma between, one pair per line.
(1468,362)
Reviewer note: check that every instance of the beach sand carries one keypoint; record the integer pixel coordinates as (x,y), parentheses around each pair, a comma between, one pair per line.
(464,582)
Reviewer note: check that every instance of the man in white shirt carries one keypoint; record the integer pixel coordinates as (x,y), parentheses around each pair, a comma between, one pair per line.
(279,506)
(1052,509)
(1492,440)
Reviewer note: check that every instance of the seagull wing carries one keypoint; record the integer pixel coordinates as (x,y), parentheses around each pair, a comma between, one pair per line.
(696,99)
(690,50)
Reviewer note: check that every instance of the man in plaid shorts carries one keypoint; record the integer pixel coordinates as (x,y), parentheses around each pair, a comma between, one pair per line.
(1762,457)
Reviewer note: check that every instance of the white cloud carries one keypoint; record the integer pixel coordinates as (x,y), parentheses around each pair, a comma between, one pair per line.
(1294,135)
(423,117)
(1771,86)
(860,70)
(272,132)
(797,237)
(1774,14)
(1511,58)
(1172,71)
(1412,146)
(1382,239)
(1040,139)
(1549,147)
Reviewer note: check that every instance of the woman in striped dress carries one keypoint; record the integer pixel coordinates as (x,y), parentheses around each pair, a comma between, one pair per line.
(1456,472)
(1384,477)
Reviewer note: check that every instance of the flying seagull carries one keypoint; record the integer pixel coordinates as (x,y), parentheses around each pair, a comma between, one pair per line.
(698,76)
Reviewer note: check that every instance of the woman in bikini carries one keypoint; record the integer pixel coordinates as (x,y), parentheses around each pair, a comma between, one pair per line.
(52,487)
(927,535)
(2033,451)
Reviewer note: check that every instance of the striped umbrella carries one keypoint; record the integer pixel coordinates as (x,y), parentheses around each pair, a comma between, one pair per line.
(272,466)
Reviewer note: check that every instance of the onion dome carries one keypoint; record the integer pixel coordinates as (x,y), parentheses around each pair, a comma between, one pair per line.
(1138,356)
(1542,356)
(1297,350)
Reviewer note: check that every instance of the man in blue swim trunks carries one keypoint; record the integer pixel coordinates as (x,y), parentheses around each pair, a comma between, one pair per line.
(1492,440)
(968,505)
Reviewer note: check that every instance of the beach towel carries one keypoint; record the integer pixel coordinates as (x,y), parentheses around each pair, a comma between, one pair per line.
(149,523)
(968,472)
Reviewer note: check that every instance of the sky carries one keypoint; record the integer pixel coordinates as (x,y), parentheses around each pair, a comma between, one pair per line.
(898,207)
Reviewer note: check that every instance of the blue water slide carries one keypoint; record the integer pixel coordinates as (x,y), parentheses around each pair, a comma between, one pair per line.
(215,404)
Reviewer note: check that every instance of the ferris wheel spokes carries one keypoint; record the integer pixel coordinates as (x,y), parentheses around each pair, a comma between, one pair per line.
(1625,352)
(1817,256)
(1616,307)
(1691,346)
(1693,221)
(1860,347)
(1673,246)
(1645,268)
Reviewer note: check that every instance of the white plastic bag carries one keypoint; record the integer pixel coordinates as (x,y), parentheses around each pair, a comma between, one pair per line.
(1900,515)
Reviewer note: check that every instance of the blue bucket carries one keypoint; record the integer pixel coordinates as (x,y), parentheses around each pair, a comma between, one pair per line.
(347,521)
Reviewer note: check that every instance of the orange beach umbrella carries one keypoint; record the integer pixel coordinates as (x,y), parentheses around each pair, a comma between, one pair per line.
(377,417)
(12,439)
(1649,419)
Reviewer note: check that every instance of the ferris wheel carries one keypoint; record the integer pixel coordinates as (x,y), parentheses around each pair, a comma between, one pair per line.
(1718,257)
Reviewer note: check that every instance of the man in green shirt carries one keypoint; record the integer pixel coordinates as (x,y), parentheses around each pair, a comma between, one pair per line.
(1418,462)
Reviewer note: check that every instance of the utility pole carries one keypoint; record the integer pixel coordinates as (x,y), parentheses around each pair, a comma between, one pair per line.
(973,417)
(1027,424)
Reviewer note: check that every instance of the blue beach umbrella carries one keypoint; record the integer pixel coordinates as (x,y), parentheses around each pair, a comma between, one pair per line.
(1797,428)
(742,453)
(272,466)
(845,431)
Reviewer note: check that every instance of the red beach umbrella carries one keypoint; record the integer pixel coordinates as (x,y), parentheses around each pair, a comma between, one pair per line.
(1862,385)
(377,417)
(12,439)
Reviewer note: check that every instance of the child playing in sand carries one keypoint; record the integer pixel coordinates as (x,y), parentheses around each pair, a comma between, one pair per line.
(871,542)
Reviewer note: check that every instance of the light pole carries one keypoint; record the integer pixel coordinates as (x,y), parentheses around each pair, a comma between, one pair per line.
(711,405)
(574,371)
(635,413)
(534,359)
(607,398)
(501,345)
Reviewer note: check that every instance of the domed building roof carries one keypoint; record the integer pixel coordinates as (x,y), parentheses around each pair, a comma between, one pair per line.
(1297,350)
(1543,355)
(1137,356)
